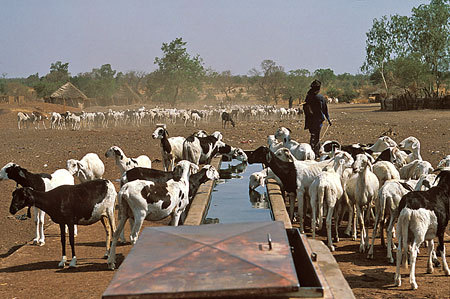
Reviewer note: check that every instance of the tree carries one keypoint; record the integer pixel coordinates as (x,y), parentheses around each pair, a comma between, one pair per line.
(296,83)
(181,75)
(225,83)
(269,81)
(325,76)
(378,48)
(430,38)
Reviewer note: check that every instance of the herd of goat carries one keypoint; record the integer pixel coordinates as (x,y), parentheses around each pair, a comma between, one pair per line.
(142,116)
(386,181)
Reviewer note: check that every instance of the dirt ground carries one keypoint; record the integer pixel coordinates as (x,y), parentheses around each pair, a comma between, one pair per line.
(36,275)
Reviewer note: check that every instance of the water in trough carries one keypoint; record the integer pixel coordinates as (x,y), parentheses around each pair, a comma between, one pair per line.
(232,201)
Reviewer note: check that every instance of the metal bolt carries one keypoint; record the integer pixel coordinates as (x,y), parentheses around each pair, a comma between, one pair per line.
(314,256)
(269,240)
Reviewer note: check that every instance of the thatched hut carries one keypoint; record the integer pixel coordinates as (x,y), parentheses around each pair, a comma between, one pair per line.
(69,95)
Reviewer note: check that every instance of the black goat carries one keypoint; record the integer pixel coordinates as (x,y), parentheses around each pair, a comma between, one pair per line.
(226,117)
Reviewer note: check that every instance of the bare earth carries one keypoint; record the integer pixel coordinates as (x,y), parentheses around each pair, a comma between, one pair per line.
(34,274)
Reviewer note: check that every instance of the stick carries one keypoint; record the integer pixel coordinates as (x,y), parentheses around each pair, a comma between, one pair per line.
(326,130)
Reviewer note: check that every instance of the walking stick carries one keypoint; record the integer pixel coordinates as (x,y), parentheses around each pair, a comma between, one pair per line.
(326,130)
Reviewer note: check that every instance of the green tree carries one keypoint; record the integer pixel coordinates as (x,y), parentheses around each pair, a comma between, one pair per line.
(430,38)
(225,82)
(326,76)
(180,74)
(296,83)
(269,81)
(378,48)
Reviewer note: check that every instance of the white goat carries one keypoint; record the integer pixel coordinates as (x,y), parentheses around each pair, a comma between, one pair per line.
(362,189)
(124,163)
(415,169)
(89,168)
(411,144)
(327,187)
(301,151)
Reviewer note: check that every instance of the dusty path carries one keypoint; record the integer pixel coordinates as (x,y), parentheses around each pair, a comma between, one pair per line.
(33,272)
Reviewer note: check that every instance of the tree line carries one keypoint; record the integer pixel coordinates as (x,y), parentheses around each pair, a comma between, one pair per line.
(403,54)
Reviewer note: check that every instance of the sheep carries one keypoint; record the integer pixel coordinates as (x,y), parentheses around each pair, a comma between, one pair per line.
(226,117)
(40,182)
(153,201)
(389,197)
(327,186)
(82,204)
(385,170)
(301,151)
(124,163)
(362,190)
(89,168)
(415,169)
(424,214)
(411,144)
(171,148)
(273,143)
(22,120)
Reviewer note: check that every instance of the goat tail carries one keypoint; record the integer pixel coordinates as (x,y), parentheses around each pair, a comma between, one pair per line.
(402,230)
(322,193)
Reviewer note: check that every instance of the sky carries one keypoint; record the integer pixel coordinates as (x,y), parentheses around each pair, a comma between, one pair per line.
(234,35)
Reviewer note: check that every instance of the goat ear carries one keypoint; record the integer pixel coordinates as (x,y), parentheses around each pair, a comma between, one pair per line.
(369,164)
(21,173)
(289,130)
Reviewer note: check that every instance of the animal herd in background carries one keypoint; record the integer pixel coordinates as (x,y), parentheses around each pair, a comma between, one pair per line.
(386,181)
(363,180)
(143,116)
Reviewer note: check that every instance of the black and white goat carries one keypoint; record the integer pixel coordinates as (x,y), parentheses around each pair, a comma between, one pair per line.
(124,163)
(171,148)
(423,215)
(200,150)
(82,204)
(226,117)
(141,199)
(40,182)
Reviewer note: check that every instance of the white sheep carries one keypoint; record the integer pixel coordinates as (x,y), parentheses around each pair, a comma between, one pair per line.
(124,163)
(415,169)
(362,189)
(301,151)
(89,168)
(411,144)
(325,191)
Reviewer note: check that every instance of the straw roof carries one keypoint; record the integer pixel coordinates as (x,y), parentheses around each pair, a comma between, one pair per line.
(68,91)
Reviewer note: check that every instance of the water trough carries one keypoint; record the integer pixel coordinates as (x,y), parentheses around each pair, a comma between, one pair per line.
(200,261)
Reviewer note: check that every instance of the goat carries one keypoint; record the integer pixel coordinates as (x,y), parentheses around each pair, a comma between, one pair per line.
(40,182)
(22,120)
(125,163)
(200,149)
(82,204)
(362,190)
(141,200)
(301,151)
(226,117)
(171,148)
(415,169)
(385,170)
(411,144)
(89,168)
(444,163)
(327,186)
(424,214)
(273,143)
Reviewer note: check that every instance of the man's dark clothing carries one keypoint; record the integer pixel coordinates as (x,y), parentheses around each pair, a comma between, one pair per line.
(316,111)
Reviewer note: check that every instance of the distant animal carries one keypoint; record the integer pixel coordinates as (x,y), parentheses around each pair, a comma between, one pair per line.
(226,117)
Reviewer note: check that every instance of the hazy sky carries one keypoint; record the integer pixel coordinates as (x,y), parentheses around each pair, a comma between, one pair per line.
(234,35)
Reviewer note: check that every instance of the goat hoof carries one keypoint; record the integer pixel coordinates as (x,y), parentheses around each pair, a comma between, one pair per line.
(111,266)
(398,282)
(430,270)
(332,249)
(41,243)
(370,256)
(390,260)
(413,286)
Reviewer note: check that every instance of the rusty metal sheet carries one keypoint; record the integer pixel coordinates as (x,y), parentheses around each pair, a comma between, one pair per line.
(207,260)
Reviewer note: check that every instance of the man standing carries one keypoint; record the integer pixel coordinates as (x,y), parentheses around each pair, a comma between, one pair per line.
(316,110)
